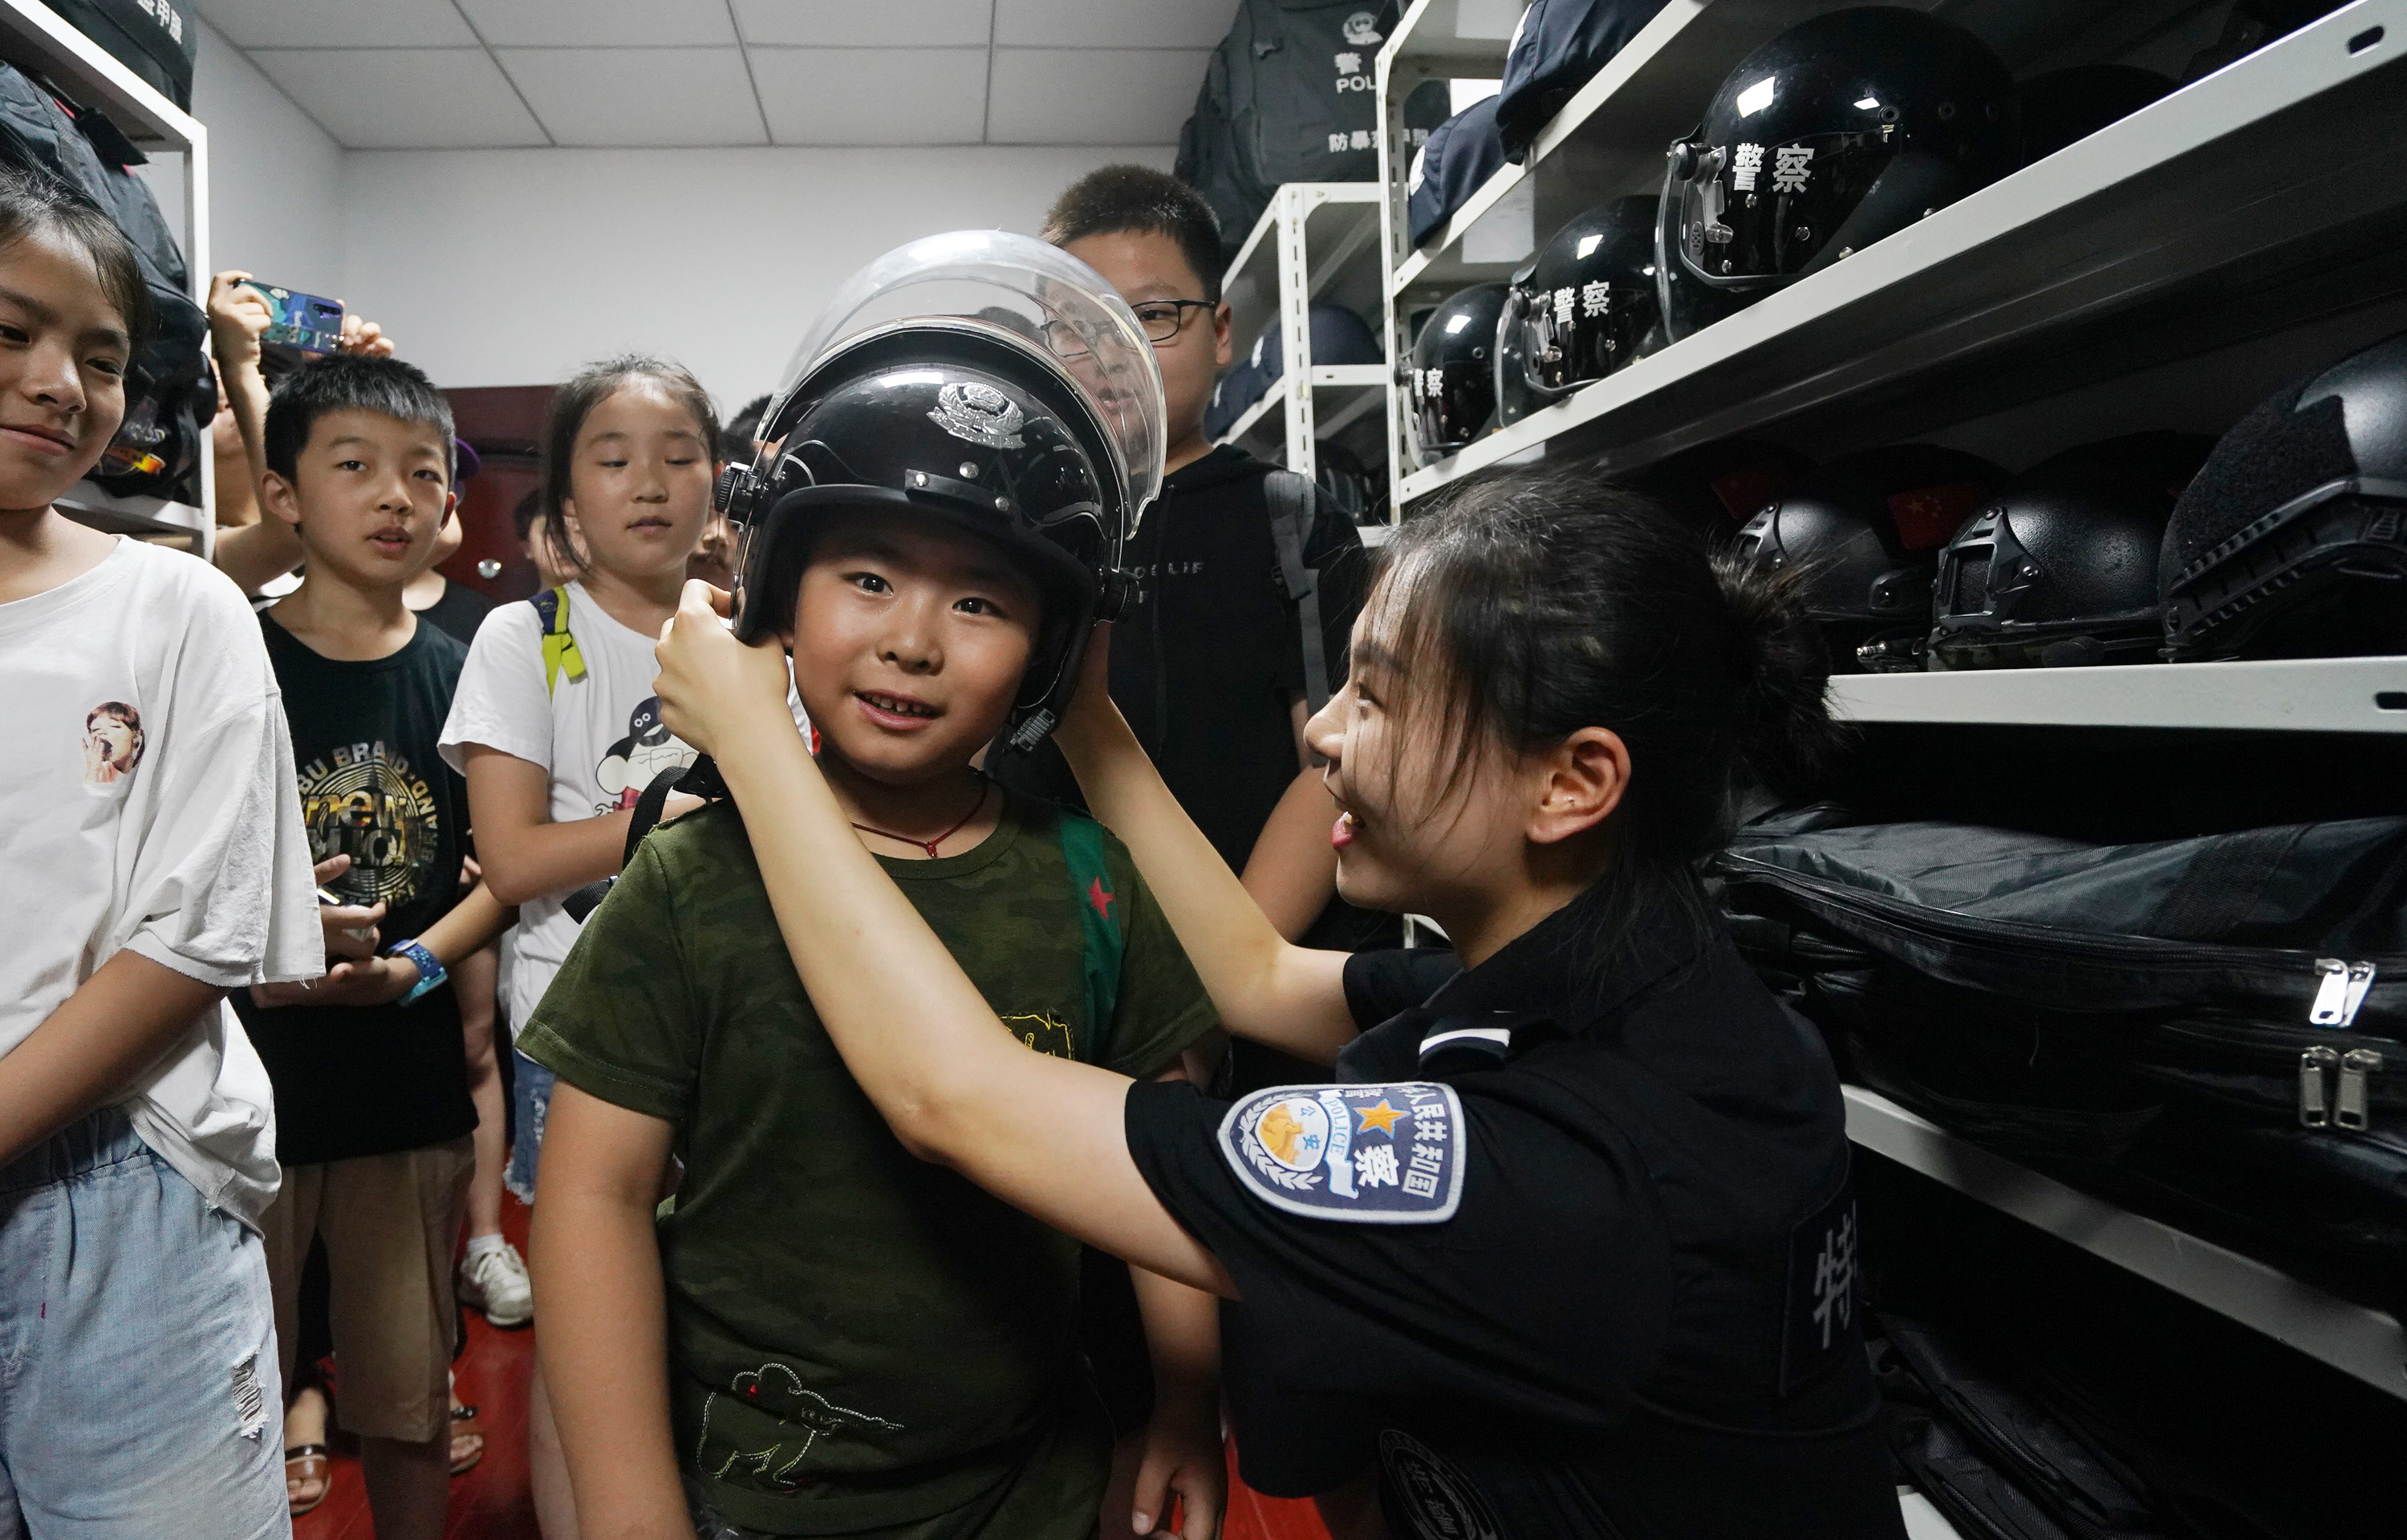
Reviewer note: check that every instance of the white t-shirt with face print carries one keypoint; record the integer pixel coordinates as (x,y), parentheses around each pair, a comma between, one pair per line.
(146,805)
(600,738)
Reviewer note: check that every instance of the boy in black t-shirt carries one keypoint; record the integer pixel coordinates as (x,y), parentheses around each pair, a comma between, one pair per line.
(1208,663)
(372,1107)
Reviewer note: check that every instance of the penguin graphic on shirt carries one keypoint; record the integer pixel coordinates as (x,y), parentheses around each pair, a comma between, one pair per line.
(630,764)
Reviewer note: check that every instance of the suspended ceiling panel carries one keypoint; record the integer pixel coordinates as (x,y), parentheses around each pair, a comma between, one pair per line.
(494,73)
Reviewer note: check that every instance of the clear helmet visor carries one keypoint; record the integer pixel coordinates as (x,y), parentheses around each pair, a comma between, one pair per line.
(1032,288)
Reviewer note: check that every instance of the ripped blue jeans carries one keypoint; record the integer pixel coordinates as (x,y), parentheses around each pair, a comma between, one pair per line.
(137,1350)
(531,1086)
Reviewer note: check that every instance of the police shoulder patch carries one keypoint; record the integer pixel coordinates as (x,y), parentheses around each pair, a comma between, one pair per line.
(1372,1154)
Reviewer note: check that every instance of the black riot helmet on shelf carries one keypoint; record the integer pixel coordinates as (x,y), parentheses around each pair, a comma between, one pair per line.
(1718,486)
(2292,540)
(2059,569)
(1866,529)
(1039,431)
(1843,130)
(1580,309)
(1453,377)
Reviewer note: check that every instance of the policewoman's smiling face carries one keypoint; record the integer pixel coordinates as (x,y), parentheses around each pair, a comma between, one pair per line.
(64,352)
(1421,828)
(910,639)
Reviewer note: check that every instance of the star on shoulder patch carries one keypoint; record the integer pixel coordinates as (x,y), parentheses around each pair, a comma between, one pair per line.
(1369,1155)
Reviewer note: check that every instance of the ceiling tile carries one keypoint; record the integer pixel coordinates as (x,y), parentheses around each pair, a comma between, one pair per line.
(872,96)
(403,98)
(1115,23)
(850,23)
(638,96)
(338,23)
(1092,96)
(601,23)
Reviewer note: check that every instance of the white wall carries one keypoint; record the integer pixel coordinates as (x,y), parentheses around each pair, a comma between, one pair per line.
(275,177)
(513,267)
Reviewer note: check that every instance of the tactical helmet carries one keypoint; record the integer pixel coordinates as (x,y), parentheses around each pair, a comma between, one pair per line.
(1719,486)
(1867,530)
(1043,435)
(2292,541)
(1580,309)
(1453,375)
(1845,129)
(2061,568)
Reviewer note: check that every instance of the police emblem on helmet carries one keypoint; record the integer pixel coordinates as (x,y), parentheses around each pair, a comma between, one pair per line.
(980,413)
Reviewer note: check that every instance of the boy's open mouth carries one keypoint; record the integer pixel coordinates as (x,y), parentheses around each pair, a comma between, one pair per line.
(895,710)
(392,542)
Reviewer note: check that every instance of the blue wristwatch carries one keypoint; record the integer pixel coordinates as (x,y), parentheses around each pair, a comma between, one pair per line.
(430,968)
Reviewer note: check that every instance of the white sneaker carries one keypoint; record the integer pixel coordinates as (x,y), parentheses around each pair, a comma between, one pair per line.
(496,1282)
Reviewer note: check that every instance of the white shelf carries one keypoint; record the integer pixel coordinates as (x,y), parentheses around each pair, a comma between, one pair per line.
(1452,32)
(1341,393)
(86,502)
(2220,187)
(2355,1340)
(2310,695)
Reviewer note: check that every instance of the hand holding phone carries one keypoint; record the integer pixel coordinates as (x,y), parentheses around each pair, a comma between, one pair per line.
(300,326)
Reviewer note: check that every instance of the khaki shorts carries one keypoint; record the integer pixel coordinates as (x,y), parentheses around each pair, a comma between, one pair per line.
(391,1223)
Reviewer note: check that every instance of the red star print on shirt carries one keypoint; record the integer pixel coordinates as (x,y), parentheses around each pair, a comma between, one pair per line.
(1100,898)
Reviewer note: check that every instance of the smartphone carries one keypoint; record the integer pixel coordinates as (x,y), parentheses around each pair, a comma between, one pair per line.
(304,326)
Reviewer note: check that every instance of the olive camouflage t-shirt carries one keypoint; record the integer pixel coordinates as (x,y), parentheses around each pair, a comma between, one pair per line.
(855,1337)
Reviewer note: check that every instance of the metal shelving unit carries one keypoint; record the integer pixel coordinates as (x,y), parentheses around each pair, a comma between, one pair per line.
(1314,244)
(2355,1340)
(33,37)
(2246,227)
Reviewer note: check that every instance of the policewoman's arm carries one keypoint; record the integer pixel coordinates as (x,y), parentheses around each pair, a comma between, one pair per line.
(1267,989)
(1043,1134)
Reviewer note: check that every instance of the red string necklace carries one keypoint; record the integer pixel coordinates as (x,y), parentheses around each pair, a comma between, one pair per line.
(930,845)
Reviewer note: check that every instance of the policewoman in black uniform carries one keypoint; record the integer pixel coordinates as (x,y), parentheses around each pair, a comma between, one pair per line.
(1566,1246)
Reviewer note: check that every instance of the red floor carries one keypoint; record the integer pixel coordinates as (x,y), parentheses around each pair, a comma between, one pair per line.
(491,1501)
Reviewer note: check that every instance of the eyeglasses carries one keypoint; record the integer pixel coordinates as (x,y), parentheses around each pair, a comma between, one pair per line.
(1163,321)
(1162,318)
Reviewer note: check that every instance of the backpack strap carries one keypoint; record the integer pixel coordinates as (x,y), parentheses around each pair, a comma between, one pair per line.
(699,776)
(1102,931)
(1291,498)
(559,654)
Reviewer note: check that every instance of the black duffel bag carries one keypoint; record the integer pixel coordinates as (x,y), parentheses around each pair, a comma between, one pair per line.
(2212,1030)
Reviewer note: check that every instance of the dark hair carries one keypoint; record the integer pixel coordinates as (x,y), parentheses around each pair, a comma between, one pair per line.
(1115,198)
(530,507)
(735,439)
(1531,603)
(30,201)
(573,403)
(341,382)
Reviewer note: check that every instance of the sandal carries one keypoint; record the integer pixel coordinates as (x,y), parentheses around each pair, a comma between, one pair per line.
(467,1440)
(302,1464)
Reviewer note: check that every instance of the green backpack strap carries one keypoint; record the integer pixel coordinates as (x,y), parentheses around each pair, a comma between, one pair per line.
(559,654)
(1102,931)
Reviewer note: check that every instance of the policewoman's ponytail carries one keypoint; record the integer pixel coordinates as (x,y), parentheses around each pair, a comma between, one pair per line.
(1531,603)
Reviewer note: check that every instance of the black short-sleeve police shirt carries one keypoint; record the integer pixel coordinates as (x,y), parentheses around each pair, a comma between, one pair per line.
(1595,1306)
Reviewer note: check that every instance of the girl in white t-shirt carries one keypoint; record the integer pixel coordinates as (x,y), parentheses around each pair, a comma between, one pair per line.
(555,725)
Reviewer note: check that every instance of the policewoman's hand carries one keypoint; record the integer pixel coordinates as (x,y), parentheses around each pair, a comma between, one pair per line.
(714,690)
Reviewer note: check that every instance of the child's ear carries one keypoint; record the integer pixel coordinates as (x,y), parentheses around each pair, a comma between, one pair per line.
(280,497)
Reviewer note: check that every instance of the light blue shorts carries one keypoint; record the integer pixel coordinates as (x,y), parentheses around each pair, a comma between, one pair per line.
(137,1351)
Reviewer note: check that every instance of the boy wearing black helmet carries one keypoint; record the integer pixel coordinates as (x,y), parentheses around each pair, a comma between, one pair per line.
(859,1343)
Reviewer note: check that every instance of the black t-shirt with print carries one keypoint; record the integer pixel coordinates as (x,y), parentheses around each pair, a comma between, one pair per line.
(352,1081)
(1209,653)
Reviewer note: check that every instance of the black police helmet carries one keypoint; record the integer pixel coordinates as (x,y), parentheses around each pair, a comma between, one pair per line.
(2292,541)
(1581,308)
(960,420)
(2059,569)
(1845,129)
(2066,105)
(1867,530)
(1718,486)
(1453,374)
